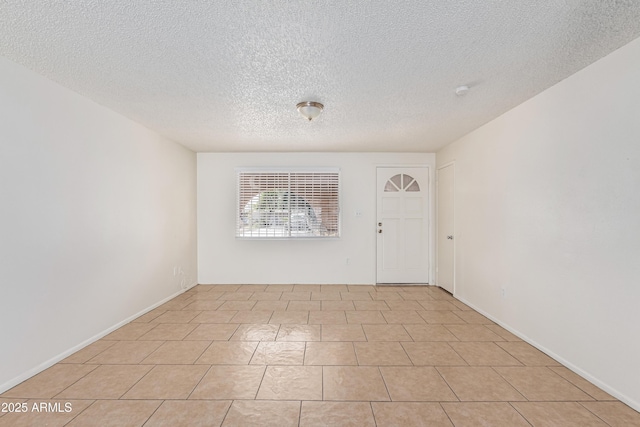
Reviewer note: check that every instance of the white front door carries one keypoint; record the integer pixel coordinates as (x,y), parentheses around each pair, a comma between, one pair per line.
(446,243)
(403,225)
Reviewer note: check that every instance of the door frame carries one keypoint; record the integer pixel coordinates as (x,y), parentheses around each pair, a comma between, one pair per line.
(437,189)
(430,212)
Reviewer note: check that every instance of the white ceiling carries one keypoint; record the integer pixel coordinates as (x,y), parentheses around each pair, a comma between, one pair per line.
(225,75)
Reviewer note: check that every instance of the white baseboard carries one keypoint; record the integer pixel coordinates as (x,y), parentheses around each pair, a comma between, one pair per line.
(613,392)
(47,364)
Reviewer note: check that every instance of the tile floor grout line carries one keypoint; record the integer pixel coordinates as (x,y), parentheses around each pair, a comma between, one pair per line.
(226,413)
(447,383)
(596,415)
(385,384)
(567,381)
(520,413)
(70,385)
(139,379)
(576,385)
(264,373)
(194,363)
(446,413)
(322,384)
(198,382)
(154,411)
(373,413)
(405,353)
(304,352)
(78,414)
(253,354)
(112,343)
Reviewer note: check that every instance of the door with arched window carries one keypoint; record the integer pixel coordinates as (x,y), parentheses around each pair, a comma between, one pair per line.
(402,225)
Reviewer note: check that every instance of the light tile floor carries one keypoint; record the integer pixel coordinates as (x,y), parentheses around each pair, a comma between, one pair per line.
(311,355)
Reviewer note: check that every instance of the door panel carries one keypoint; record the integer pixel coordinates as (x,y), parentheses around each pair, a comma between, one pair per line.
(446,232)
(402,242)
(413,205)
(390,244)
(413,240)
(390,205)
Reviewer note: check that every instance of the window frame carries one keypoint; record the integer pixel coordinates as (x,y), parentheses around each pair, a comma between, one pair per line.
(290,171)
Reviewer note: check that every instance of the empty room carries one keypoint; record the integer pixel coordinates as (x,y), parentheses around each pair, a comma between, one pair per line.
(320,213)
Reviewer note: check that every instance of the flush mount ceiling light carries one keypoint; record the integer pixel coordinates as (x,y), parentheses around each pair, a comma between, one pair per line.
(462,90)
(310,109)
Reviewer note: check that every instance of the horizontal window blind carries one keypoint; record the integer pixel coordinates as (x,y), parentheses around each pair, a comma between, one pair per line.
(288,204)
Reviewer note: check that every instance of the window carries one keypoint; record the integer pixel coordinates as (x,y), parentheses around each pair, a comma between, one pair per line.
(401,182)
(288,204)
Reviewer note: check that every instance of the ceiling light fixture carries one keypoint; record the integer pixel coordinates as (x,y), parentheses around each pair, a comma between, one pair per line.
(310,109)
(462,90)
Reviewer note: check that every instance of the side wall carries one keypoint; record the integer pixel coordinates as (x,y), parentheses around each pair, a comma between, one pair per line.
(224,259)
(548,208)
(96,211)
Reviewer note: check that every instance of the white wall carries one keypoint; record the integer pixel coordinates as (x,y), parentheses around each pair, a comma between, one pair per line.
(95,212)
(548,207)
(224,259)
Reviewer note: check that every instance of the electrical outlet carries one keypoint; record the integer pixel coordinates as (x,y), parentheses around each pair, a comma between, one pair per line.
(503,292)
(348,261)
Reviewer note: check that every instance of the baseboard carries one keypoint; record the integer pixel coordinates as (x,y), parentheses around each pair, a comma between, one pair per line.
(322,283)
(613,392)
(283,283)
(47,364)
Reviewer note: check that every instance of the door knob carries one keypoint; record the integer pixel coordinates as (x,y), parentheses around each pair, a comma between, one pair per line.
(379,231)
(450,237)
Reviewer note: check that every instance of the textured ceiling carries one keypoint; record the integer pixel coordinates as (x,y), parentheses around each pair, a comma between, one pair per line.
(226,75)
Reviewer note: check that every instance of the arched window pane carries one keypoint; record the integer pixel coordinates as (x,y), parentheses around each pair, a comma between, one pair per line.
(413,186)
(397,180)
(389,187)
